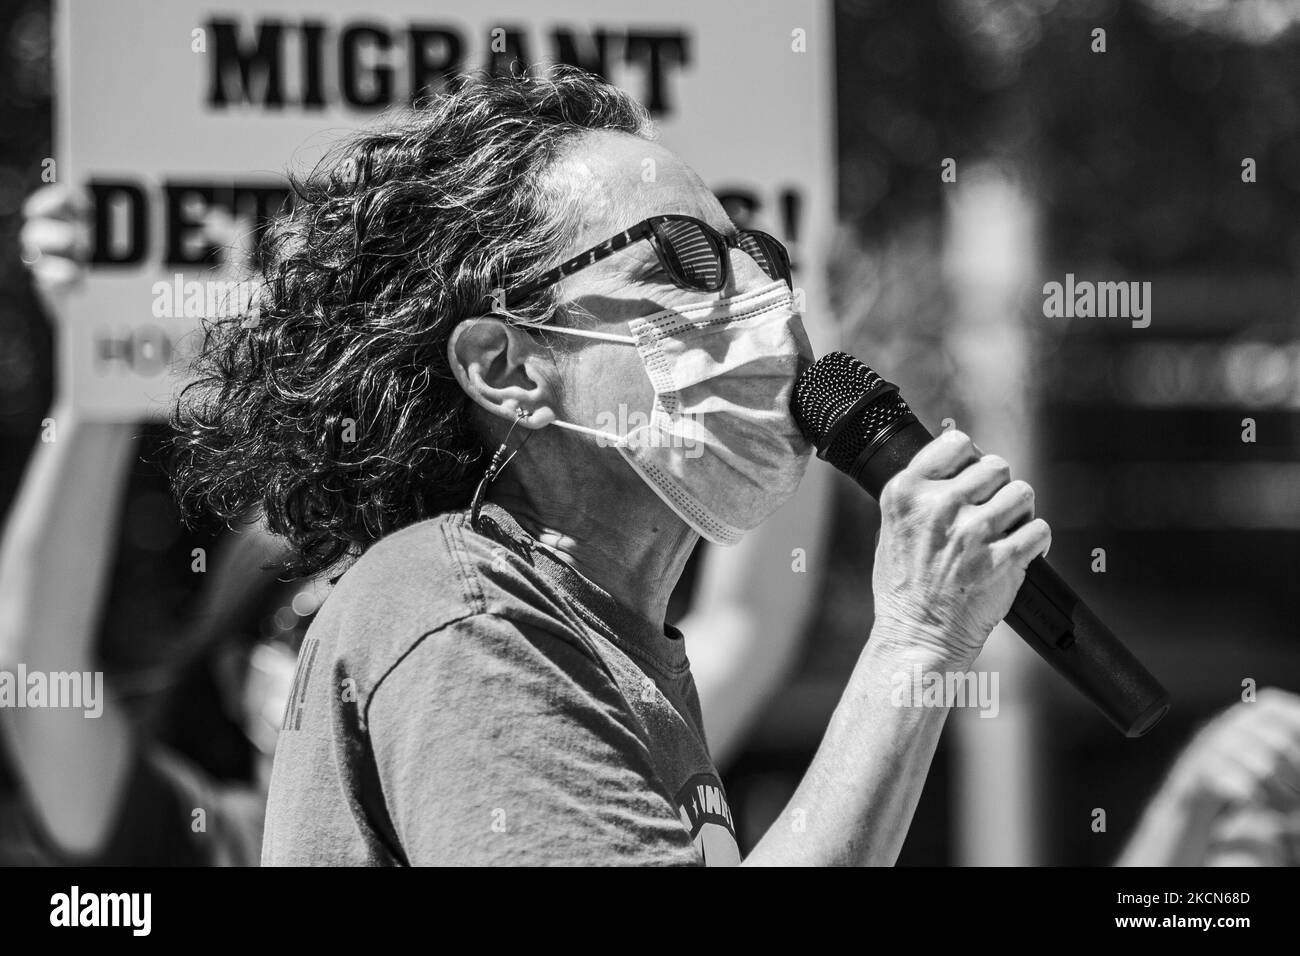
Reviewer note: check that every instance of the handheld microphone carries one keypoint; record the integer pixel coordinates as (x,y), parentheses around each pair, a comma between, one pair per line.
(861,425)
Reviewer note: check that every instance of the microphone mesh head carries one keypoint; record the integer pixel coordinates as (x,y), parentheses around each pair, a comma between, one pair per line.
(827,391)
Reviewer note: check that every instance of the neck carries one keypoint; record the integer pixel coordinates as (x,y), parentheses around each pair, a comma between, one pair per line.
(623,539)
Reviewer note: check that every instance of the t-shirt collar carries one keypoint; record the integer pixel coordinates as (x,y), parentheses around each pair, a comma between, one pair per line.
(639,635)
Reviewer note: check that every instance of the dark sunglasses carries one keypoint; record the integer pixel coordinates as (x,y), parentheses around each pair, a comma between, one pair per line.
(693,253)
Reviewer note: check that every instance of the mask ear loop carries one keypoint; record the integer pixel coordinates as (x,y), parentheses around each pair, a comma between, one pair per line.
(495,467)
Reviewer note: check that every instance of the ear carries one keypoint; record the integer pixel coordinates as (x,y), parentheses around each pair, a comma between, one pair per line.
(504,369)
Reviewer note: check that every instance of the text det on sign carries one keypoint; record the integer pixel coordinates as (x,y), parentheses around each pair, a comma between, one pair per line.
(225,102)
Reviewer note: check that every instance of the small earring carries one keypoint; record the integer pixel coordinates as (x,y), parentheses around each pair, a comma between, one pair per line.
(496,466)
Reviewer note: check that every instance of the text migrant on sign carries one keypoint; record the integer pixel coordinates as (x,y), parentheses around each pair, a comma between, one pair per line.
(366,65)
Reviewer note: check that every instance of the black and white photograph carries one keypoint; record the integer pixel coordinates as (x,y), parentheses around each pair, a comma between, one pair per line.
(786,433)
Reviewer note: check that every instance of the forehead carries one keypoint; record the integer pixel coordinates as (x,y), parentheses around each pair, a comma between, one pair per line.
(616,180)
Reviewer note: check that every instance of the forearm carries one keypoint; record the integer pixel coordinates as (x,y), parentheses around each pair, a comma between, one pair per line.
(57,544)
(855,803)
(54,563)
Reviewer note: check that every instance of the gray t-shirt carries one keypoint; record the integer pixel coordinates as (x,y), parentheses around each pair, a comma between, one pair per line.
(465,698)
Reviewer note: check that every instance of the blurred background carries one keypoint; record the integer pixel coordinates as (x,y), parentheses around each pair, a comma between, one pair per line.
(1132,437)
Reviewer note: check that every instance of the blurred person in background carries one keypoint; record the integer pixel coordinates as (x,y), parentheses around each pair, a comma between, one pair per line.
(1232,797)
(105,789)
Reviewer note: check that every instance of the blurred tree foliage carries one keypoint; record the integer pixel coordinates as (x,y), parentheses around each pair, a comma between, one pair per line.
(1137,152)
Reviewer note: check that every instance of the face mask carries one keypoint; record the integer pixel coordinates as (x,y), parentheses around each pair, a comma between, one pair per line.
(720,446)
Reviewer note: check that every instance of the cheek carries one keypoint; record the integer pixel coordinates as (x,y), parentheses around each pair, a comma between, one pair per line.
(803,343)
(601,379)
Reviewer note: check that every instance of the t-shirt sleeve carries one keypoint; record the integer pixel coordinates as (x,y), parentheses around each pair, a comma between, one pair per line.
(501,743)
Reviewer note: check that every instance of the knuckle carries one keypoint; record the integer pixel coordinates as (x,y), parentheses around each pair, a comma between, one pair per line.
(896,496)
(893,488)
(962,440)
(1022,490)
(901,483)
(941,502)
(998,464)
(971,526)
(954,438)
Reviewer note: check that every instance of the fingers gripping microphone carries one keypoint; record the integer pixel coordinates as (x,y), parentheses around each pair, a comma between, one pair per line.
(862,426)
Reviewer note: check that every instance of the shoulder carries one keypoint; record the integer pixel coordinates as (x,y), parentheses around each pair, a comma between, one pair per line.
(495,662)
(440,603)
(499,742)
(418,580)
(487,678)
(407,565)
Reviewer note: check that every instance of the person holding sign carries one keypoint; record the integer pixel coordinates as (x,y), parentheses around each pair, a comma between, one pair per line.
(97,785)
(505,381)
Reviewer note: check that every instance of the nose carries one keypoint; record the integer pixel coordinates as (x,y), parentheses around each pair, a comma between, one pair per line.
(746,274)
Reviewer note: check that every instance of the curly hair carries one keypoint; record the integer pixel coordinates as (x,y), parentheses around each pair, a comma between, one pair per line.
(332,409)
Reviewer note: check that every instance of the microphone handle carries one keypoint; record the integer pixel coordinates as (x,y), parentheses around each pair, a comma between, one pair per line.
(1046,613)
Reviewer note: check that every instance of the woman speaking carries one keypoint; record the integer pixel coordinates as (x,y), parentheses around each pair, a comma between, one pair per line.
(504,380)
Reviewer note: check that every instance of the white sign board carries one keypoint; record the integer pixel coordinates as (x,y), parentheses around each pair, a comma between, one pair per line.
(168,108)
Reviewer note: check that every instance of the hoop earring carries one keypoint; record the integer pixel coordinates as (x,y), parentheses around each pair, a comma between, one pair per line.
(495,467)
